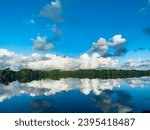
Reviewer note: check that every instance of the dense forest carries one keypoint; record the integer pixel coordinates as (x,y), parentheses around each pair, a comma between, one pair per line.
(27,75)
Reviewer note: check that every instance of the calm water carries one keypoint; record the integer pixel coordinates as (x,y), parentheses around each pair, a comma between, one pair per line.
(77,95)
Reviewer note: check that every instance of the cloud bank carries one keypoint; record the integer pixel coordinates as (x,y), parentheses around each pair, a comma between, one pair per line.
(137,64)
(51,62)
(42,44)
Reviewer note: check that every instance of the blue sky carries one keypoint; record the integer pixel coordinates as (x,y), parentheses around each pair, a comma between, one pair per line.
(83,22)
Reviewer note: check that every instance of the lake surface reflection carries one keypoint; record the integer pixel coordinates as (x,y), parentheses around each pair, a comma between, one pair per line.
(77,95)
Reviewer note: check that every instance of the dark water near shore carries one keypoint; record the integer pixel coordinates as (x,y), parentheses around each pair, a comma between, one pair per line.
(77,95)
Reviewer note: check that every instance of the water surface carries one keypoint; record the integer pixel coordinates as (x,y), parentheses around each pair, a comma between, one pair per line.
(77,95)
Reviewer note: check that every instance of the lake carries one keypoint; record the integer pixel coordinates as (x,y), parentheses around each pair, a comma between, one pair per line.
(74,95)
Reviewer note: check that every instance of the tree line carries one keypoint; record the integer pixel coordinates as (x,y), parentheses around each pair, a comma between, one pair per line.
(27,75)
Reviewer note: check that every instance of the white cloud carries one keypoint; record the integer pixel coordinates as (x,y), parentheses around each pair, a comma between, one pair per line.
(5,52)
(97,62)
(118,43)
(65,63)
(118,40)
(52,11)
(102,46)
(137,64)
(42,44)
(10,59)
(52,61)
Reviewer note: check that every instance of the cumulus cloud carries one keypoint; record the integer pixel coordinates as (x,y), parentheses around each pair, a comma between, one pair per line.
(118,40)
(53,11)
(85,61)
(51,61)
(10,59)
(97,62)
(42,44)
(102,46)
(118,44)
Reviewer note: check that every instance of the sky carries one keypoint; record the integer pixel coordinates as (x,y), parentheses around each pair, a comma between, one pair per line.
(102,32)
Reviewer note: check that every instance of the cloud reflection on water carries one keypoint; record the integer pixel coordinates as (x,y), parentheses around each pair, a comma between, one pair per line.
(120,105)
(52,87)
